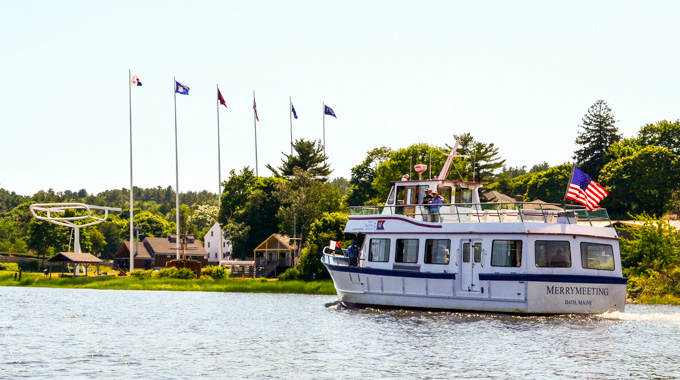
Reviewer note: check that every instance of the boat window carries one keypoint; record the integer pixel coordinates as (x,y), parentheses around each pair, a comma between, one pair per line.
(407,251)
(506,253)
(553,254)
(478,252)
(445,191)
(390,198)
(379,250)
(597,256)
(466,252)
(437,251)
(401,195)
(463,196)
(421,193)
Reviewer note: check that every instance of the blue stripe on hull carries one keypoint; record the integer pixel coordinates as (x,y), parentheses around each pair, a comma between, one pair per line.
(552,278)
(389,272)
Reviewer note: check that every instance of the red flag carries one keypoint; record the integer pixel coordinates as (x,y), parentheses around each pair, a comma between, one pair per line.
(255,108)
(221,99)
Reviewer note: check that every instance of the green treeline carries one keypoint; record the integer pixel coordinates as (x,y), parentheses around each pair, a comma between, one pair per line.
(299,199)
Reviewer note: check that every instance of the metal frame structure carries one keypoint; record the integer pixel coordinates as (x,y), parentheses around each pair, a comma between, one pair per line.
(49,210)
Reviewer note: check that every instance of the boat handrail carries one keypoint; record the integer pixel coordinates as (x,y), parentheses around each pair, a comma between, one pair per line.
(491,212)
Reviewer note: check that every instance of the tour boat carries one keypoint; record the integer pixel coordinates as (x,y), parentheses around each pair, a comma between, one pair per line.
(514,257)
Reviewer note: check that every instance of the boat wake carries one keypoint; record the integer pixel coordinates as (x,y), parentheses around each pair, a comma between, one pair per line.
(656,317)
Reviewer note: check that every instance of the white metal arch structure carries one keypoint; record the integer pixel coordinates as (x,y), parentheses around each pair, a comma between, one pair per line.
(54,213)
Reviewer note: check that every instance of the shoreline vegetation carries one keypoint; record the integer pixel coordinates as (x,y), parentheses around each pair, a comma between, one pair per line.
(205,284)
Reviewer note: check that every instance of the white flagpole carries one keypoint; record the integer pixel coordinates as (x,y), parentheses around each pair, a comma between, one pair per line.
(132,236)
(219,170)
(290,115)
(324,129)
(255,122)
(174,92)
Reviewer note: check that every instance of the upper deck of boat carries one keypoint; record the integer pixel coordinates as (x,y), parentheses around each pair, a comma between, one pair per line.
(513,212)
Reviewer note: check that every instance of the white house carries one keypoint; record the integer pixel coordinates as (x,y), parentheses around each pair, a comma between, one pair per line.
(211,243)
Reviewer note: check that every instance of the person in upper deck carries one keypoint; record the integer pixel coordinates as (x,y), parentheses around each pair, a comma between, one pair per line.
(353,254)
(435,206)
(427,199)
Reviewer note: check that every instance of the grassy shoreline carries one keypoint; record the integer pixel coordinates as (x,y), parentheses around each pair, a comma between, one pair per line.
(233,285)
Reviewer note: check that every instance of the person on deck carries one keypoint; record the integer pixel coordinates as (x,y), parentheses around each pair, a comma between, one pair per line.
(427,199)
(353,254)
(435,205)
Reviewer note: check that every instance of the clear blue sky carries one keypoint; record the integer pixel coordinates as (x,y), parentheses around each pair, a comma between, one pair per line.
(518,74)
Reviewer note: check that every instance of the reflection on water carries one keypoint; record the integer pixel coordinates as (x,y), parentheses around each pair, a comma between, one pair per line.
(119,334)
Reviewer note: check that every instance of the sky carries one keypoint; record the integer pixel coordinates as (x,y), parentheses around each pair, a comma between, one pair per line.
(517,74)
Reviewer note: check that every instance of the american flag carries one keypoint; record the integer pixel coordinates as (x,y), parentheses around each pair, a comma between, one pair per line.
(584,190)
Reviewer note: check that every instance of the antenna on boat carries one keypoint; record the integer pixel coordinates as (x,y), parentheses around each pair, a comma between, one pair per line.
(449,161)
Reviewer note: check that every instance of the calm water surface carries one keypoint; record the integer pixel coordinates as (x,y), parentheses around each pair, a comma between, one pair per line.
(74,333)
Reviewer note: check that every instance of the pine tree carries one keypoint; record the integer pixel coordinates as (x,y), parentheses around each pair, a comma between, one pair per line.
(308,156)
(598,135)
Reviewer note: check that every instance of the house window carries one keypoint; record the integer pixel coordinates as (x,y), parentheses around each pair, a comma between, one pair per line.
(208,244)
(211,233)
(379,250)
(553,254)
(506,253)
(597,256)
(407,251)
(437,251)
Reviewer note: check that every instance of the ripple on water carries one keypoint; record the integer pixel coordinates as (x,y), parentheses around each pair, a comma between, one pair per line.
(118,334)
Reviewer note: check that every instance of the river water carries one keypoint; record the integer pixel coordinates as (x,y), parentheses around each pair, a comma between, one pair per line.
(79,333)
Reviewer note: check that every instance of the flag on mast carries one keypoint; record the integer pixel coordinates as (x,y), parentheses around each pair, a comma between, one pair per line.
(221,99)
(584,190)
(329,111)
(134,81)
(181,88)
(292,109)
(255,108)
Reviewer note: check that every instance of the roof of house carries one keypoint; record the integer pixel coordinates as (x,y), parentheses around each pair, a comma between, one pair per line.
(276,242)
(70,257)
(124,251)
(168,246)
(495,196)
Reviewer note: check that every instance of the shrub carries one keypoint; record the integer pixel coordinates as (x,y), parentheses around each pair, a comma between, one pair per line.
(31,266)
(291,274)
(215,272)
(142,274)
(172,272)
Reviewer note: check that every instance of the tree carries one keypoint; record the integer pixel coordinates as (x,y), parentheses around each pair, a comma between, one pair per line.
(303,200)
(643,182)
(483,162)
(664,134)
(361,189)
(328,227)
(308,156)
(152,225)
(248,210)
(599,133)
(202,220)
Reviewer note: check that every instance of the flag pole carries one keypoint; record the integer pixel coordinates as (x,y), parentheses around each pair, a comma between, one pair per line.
(176,170)
(219,170)
(255,123)
(564,200)
(132,236)
(324,129)
(290,116)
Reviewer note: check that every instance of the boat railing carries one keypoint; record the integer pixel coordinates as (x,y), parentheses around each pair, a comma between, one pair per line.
(334,257)
(521,212)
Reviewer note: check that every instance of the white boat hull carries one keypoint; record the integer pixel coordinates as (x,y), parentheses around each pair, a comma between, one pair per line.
(508,294)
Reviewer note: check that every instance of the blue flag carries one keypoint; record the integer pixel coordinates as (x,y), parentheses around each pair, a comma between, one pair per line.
(329,111)
(292,108)
(181,89)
